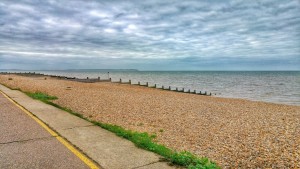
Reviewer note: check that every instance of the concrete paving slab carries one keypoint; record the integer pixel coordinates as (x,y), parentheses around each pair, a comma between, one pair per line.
(107,149)
(53,116)
(41,153)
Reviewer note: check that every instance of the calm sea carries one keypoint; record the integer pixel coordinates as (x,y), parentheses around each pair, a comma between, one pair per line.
(269,86)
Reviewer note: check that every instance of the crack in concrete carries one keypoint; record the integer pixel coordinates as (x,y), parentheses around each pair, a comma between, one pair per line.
(146,164)
(33,139)
(79,127)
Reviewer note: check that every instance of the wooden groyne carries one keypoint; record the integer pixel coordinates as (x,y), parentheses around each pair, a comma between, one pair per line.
(120,81)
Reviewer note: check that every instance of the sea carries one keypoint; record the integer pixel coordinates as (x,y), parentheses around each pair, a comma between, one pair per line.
(281,87)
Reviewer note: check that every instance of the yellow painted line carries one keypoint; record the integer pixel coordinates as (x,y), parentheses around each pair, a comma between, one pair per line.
(81,156)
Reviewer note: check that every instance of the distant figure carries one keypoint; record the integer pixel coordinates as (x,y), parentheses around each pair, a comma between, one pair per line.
(108,75)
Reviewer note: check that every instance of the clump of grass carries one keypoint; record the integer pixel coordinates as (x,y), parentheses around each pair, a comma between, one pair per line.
(41,96)
(191,161)
(10,78)
(161,130)
(142,140)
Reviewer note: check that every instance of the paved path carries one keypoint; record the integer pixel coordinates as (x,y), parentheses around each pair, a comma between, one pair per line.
(26,144)
(41,150)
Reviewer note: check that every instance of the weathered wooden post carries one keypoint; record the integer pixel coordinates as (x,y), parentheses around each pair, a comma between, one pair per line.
(139,83)
(98,78)
(163,87)
(195,91)
(154,85)
(129,81)
(147,84)
(169,87)
(183,89)
(189,91)
(205,93)
(210,93)
(177,89)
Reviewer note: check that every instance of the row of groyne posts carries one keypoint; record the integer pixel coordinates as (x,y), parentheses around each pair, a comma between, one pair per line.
(120,81)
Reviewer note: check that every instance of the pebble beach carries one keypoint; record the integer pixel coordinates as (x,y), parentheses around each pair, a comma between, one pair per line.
(235,133)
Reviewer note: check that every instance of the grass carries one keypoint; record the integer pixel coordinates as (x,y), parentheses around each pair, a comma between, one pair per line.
(142,140)
(41,96)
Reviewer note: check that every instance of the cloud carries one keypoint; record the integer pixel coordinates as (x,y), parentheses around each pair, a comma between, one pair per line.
(180,33)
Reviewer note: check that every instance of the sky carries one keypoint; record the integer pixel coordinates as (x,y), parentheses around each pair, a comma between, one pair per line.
(150,34)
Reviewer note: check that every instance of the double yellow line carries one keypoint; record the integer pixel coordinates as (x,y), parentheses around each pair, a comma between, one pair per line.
(80,155)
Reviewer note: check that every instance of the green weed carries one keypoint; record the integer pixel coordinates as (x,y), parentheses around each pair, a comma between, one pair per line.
(41,96)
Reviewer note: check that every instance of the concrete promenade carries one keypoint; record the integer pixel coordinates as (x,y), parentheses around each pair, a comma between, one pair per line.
(24,142)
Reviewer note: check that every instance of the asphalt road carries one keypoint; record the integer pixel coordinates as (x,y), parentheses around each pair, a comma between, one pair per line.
(26,144)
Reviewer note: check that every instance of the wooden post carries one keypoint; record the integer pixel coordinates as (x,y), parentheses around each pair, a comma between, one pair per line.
(98,78)
(189,91)
(182,89)
(139,83)
(195,91)
(163,87)
(205,93)
(129,81)
(87,77)
(169,87)
(176,88)
(147,84)
(154,85)
(120,80)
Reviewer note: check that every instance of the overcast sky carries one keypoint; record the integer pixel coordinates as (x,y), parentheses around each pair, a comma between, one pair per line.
(150,34)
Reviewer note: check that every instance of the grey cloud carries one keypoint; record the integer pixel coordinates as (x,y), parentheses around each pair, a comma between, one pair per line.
(170,31)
